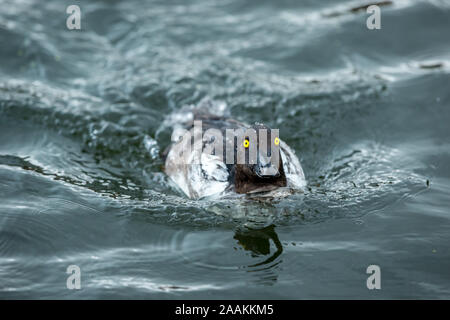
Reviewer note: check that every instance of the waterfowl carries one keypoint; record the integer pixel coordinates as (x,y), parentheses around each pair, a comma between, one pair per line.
(208,160)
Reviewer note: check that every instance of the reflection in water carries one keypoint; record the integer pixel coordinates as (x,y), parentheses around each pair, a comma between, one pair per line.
(258,242)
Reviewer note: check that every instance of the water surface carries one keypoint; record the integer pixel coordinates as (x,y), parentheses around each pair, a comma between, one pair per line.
(85,114)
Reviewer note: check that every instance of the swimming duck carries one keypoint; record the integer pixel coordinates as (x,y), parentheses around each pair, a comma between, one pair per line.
(218,163)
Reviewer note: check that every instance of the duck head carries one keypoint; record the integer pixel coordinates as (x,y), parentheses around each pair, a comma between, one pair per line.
(262,168)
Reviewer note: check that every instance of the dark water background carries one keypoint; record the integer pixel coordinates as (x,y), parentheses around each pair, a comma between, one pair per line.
(84,114)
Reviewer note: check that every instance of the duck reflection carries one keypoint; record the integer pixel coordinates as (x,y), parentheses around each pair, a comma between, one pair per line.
(258,242)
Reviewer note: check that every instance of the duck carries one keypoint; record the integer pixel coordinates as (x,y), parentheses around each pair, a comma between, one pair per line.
(213,156)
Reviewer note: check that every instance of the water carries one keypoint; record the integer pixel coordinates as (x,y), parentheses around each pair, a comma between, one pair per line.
(84,115)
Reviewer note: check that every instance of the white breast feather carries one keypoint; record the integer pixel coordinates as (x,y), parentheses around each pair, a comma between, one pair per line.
(292,168)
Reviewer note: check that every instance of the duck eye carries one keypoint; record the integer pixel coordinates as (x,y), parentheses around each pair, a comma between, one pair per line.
(246,143)
(276,141)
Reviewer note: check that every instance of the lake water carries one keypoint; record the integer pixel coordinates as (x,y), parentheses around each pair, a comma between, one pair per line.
(84,115)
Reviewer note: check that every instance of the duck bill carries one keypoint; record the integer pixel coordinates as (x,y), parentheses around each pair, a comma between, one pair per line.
(266,168)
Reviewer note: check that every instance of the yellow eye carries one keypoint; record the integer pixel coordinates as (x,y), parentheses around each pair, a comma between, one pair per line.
(276,141)
(246,143)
